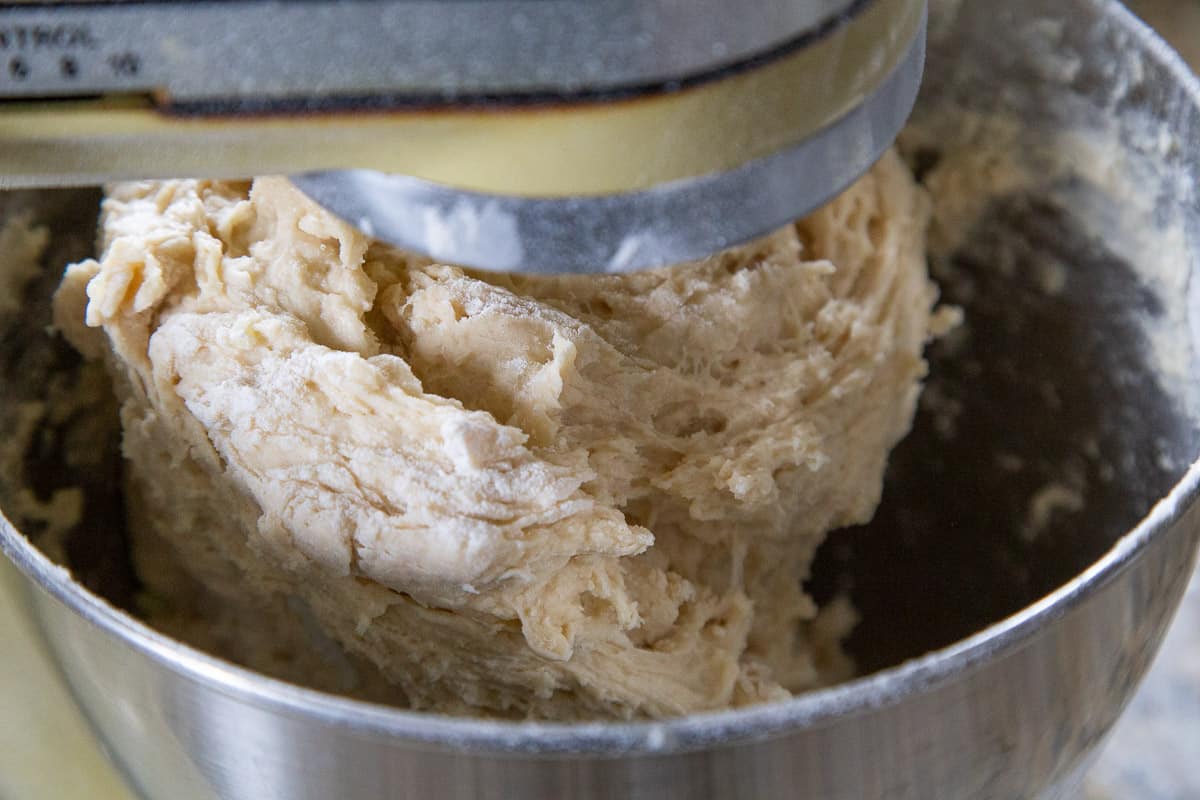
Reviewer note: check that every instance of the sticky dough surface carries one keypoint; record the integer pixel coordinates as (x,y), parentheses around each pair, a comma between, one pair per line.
(558,497)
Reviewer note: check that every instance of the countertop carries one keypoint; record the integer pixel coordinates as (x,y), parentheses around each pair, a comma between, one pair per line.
(46,749)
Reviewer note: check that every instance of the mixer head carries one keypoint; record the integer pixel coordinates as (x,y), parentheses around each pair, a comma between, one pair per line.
(517,135)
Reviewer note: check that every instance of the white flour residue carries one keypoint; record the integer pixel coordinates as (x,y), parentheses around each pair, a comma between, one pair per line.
(944,408)
(21,246)
(1107,171)
(1138,212)
(1051,500)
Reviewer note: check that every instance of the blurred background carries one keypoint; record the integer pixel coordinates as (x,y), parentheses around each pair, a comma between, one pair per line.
(1177,20)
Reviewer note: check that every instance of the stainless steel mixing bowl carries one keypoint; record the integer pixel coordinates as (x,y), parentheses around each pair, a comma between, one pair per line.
(1036,533)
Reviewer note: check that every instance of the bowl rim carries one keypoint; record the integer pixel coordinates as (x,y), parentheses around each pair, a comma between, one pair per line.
(660,737)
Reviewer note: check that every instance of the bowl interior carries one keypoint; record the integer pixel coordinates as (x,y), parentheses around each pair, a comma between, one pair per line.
(1064,163)
(1066,228)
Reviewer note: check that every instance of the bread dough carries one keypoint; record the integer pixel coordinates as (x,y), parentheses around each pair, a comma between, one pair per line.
(560,497)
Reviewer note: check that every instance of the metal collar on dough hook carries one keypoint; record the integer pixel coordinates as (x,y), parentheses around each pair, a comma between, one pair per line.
(520,135)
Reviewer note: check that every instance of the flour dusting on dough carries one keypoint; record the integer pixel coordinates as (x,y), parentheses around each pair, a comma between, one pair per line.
(549,496)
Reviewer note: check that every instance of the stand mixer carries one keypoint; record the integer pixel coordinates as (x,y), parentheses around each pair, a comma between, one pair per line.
(526,135)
